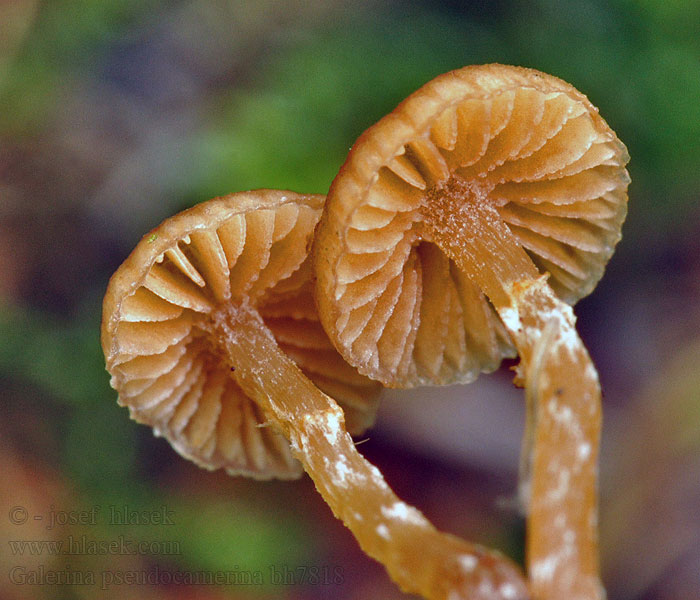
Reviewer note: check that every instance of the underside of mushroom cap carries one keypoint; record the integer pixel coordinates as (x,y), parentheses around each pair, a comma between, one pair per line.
(526,143)
(159,340)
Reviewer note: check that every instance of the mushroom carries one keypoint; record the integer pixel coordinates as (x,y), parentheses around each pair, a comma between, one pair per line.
(210,333)
(460,229)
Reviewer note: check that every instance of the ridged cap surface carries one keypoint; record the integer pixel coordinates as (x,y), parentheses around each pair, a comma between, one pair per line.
(528,143)
(168,367)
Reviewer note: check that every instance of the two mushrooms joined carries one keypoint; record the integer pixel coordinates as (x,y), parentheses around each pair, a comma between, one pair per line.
(457,233)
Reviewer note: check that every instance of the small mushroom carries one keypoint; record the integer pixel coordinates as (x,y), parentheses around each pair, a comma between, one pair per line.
(459,230)
(210,332)
(165,325)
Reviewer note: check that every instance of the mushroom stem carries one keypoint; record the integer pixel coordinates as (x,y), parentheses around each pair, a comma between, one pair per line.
(418,557)
(563,387)
(564,413)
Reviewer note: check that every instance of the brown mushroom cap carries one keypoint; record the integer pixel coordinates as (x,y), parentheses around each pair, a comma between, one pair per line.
(527,143)
(158,335)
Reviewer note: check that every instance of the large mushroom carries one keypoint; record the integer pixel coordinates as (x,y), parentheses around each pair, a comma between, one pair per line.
(459,230)
(205,328)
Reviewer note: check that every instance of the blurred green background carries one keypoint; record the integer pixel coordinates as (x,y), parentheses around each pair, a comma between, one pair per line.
(115,114)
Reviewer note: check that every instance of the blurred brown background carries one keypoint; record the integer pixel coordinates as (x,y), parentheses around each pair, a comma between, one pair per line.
(117,113)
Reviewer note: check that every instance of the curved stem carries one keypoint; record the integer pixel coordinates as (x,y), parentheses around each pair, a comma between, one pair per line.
(564,413)
(417,556)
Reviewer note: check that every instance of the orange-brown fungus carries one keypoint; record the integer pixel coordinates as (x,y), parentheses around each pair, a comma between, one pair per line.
(452,236)
(163,347)
(203,328)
